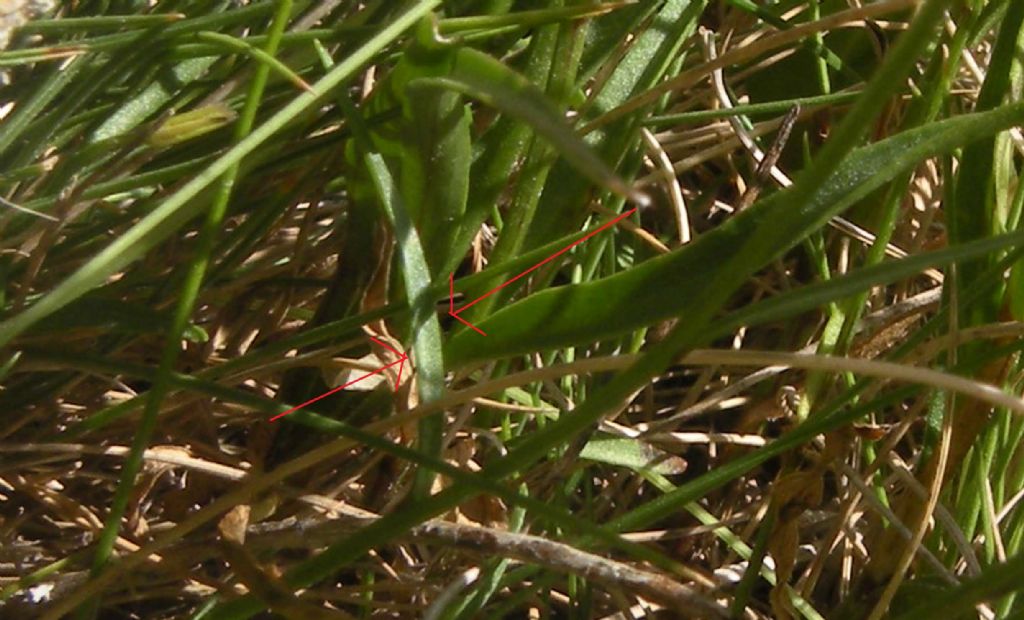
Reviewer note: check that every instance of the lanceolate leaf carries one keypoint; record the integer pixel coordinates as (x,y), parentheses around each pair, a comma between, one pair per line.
(665,286)
(633,454)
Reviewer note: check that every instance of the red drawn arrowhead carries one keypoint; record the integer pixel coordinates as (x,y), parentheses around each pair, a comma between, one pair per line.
(451,279)
(398,381)
(401,365)
(455,313)
(402,357)
(400,361)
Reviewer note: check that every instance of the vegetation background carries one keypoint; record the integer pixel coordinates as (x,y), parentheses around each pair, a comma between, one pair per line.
(782,384)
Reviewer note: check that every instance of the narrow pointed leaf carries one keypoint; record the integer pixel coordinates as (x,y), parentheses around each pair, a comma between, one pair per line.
(587,312)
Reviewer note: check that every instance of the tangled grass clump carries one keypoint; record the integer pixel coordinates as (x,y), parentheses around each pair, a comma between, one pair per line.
(482,308)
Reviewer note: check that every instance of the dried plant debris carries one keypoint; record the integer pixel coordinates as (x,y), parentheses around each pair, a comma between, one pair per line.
(674,309)
(15,13)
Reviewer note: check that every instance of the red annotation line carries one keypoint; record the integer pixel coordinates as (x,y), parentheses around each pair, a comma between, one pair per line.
(400,362)
(451,279)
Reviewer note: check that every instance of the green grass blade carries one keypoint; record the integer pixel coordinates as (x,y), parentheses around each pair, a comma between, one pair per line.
(107,22)
(183,204)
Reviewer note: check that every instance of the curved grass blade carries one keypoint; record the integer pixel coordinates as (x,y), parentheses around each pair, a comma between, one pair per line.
(526,19)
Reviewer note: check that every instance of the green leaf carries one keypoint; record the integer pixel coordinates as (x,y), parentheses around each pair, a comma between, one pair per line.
(424,327)
(656,47)
(428,146)
(148,102)
(633,454)
(568,315)
(971,212)
(500,150)
(190,125)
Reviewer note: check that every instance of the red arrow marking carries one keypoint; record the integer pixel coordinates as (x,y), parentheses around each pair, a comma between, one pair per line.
(451,279)
(400,361)
(385,345)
